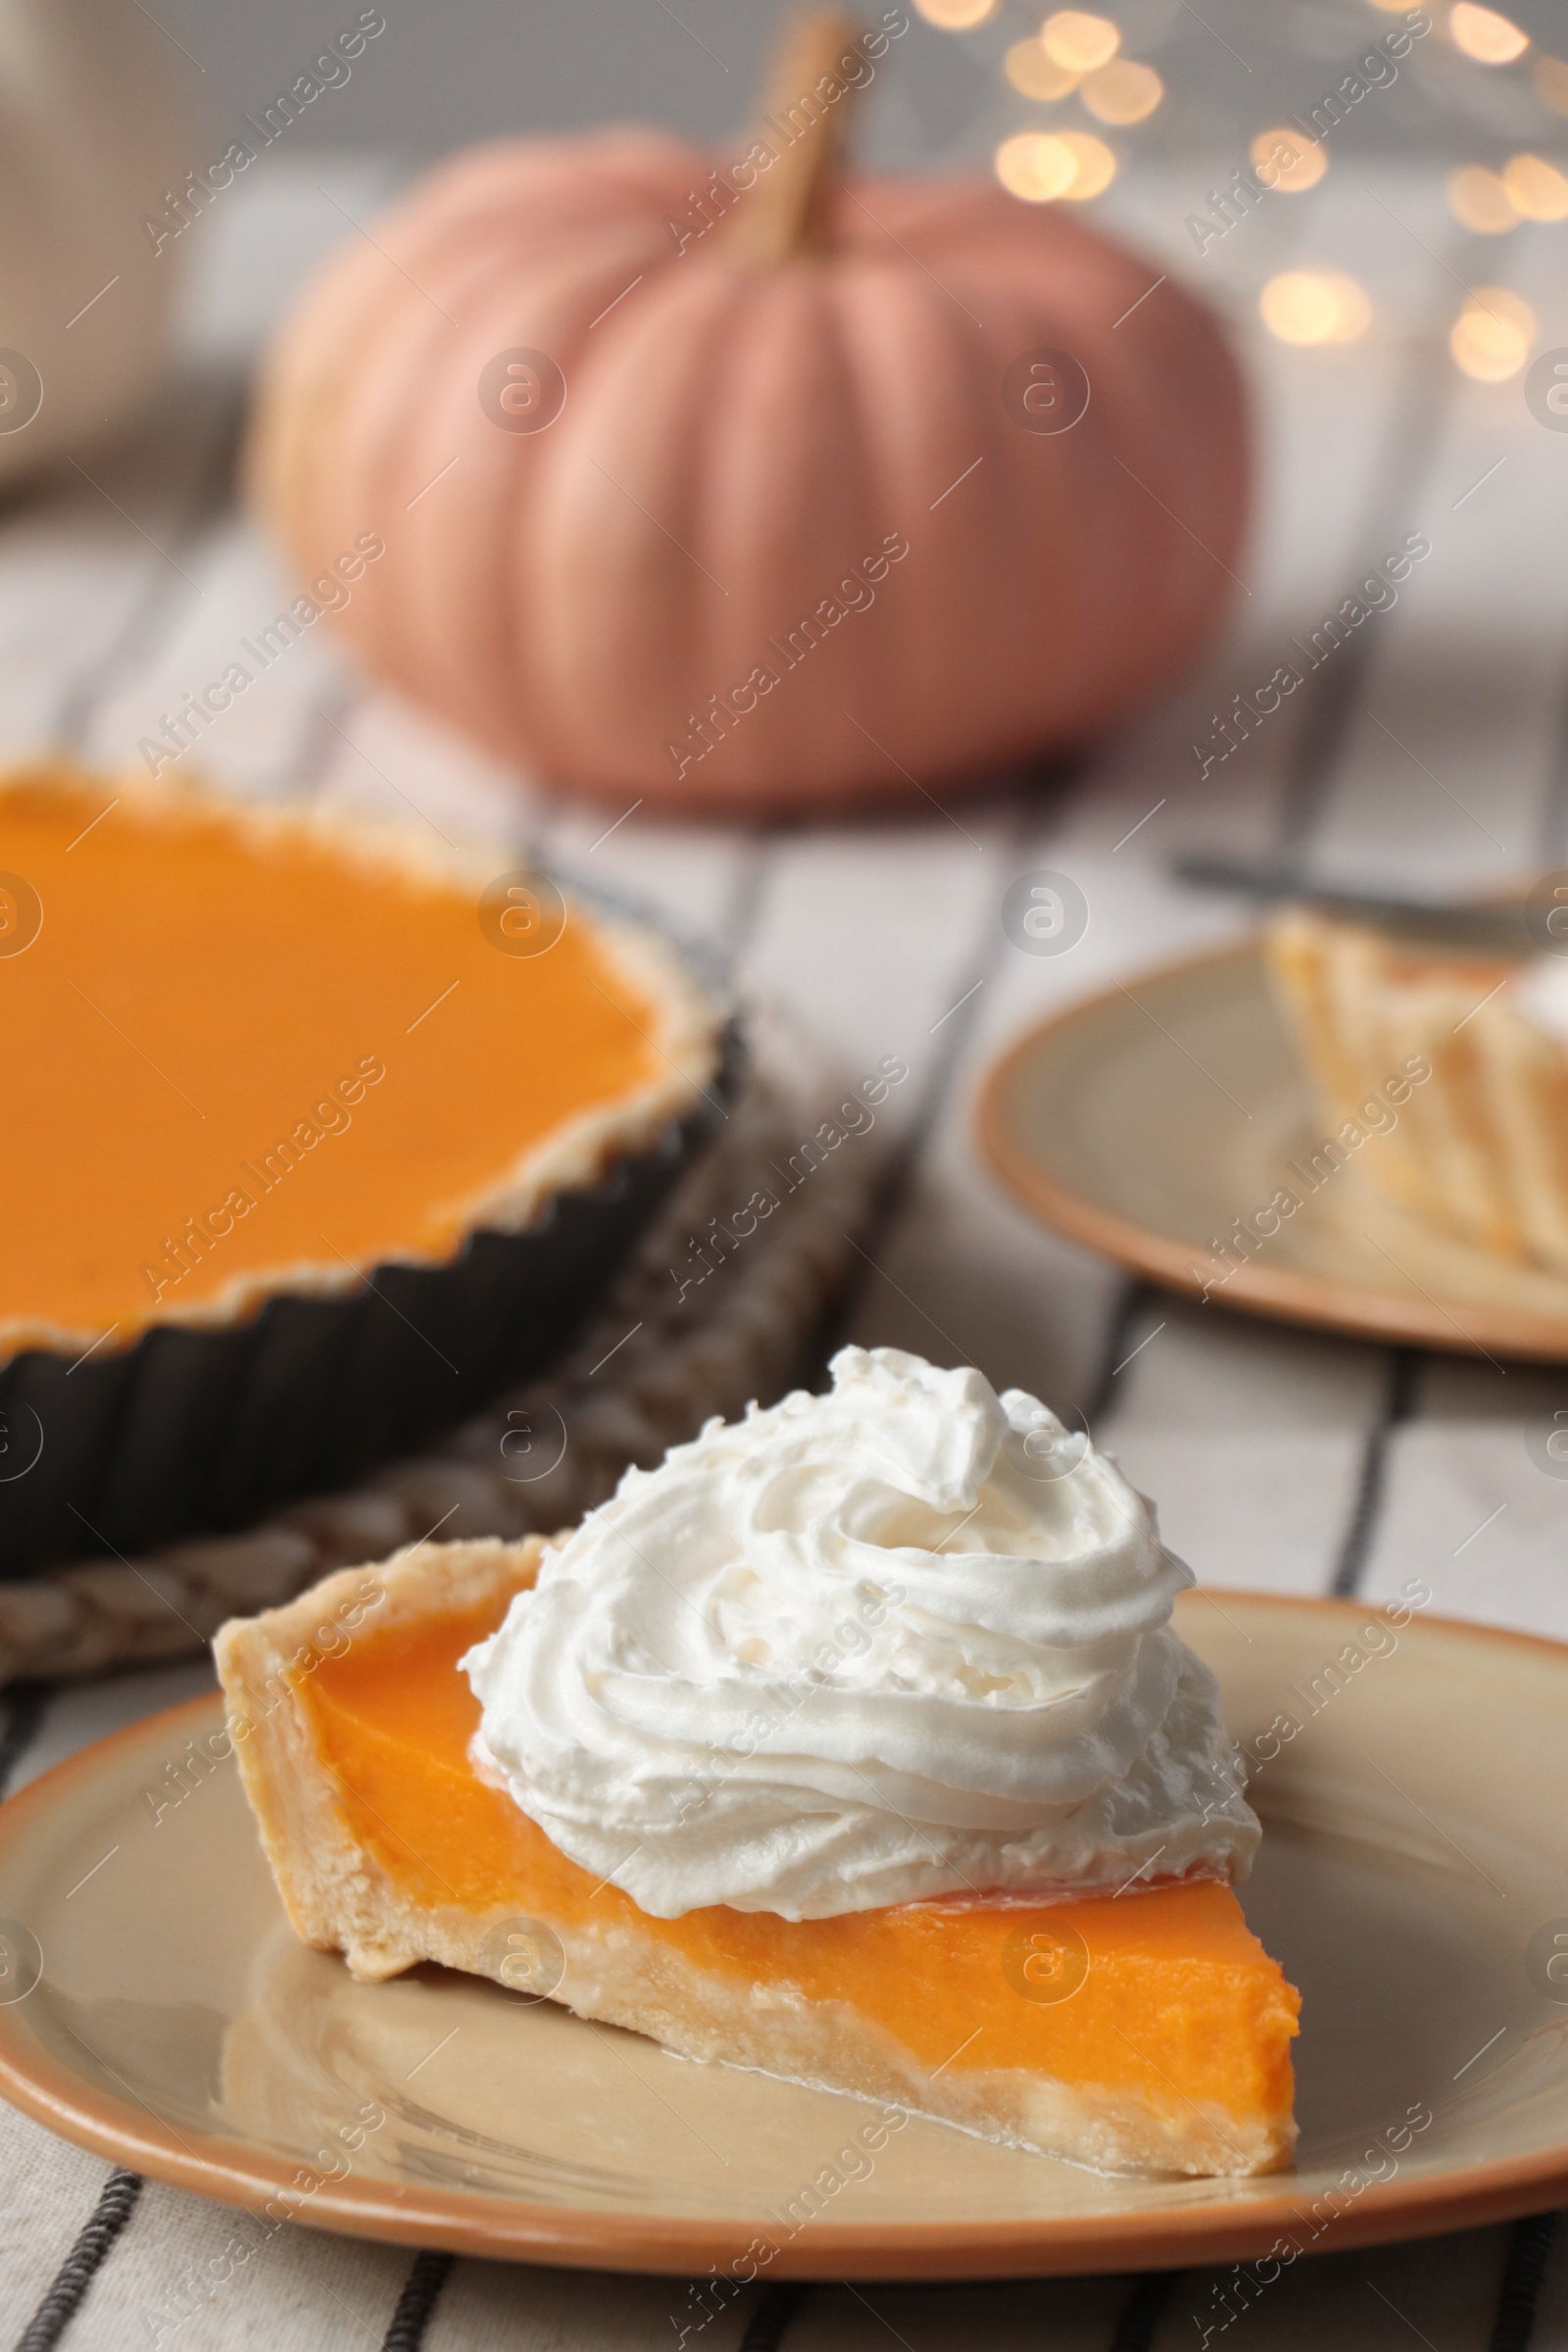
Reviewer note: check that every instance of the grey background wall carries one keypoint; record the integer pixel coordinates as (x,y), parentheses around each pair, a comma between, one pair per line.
(450,70)
(446,72)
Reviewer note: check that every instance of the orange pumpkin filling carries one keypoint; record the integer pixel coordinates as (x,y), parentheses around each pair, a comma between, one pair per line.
(237,1047)
(1179,2004)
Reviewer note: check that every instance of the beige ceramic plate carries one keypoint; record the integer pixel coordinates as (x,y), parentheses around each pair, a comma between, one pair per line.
(1411,1881)
(1147,1120)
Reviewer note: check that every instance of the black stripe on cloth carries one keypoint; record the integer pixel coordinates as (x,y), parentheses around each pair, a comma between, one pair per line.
(766,2328)
(746,893)
(1398,1403)
(427,2275)
(1529,2252)
(1134,1296)
(1142,2312)
(24,1705)
(1551,837)
(82,2263)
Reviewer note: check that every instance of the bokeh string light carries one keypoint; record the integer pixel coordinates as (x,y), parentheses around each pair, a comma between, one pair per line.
(1483,34)
(1036,165)
(1077,41)
(1045,166)
(1093,166)
(957,15)
(1078,52)
(1480,201)
(1122,92)
(1528,188)
(1537,191)
(1315,305)
(1491,336)
(1036,75)
(1292,161)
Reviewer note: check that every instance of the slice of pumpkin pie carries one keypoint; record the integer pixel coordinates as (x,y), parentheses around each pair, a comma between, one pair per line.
(852,1743)
(1472,1048)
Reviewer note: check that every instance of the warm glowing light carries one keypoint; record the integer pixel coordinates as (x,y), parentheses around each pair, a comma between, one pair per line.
(1122,92)
(1315,305)
(1391,8)
(1480,201)
(957,15)
(1537,188)
(1283,159)
(1041,165)
(1036,166)
(1552,84)
(1078,41)
(1481,34)
(1030,69)
(1094,166)
(1491,336)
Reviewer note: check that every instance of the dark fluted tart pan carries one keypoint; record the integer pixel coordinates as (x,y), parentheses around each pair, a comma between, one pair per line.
(196,1429)
(153,928)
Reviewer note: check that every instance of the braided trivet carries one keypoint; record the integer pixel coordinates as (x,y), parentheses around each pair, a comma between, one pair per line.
(715,1311)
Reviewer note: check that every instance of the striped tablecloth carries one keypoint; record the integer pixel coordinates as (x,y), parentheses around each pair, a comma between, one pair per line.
(1432,749)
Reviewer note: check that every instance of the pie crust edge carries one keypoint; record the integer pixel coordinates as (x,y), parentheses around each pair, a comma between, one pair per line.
(579,1153)
(339,1899)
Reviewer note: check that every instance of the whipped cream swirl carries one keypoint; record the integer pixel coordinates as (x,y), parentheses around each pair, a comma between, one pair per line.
(906,1641)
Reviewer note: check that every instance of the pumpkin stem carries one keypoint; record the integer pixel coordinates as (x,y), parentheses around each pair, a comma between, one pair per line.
(782,214)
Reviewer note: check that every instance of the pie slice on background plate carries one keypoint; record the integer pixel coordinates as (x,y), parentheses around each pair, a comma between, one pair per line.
(1453,1065)
(1141,2031)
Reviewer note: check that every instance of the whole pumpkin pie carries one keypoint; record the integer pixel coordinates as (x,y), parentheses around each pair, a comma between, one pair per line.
(852,1743)
(261,1059)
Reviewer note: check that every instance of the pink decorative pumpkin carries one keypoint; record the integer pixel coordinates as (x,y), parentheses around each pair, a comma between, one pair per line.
(756,487)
